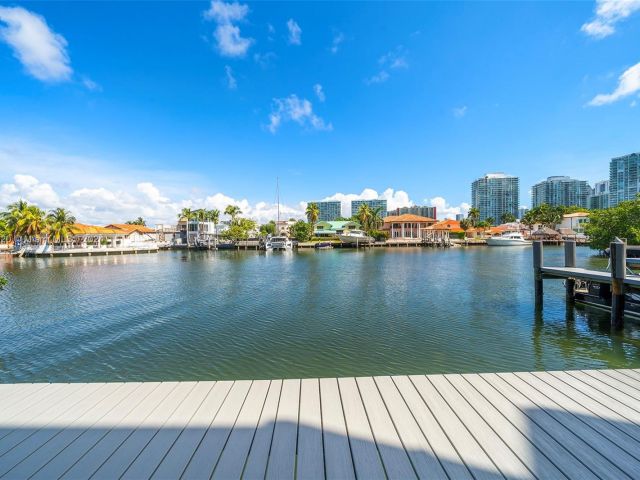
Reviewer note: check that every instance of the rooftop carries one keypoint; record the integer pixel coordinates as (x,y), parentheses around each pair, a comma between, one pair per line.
(408,217)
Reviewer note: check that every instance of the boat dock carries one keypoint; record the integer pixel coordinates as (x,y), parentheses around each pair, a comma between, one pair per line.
(564,424)
(614,284)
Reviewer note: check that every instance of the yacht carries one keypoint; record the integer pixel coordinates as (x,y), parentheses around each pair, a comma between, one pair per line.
(510,239)
(355,236)
(278,243)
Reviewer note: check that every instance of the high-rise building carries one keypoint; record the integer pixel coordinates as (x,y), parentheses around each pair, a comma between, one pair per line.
(329,210)
(561,191)
(496,194)
(373,204)
(521,212)
(624,178)
(460,217)
(422,211)
(599,198)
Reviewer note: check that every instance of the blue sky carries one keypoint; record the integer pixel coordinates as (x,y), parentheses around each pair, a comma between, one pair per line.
(111,109)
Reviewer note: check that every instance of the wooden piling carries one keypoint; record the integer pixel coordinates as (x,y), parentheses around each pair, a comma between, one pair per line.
(537,271)
(570,261)
(618,257)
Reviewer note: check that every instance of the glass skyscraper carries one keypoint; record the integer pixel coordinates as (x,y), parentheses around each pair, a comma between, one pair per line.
(373,204)
(496,194)
(624,178)
(563,191)
(330,210)
(599,196)
(422,211)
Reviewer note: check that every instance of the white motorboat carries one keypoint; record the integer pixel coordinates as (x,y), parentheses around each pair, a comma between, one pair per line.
(278,243)
(510,239)
(355,236)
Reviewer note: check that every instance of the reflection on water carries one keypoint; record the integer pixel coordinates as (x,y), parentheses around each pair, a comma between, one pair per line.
(229,315)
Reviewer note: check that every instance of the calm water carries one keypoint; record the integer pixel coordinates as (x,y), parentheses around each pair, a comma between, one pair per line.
(231,315)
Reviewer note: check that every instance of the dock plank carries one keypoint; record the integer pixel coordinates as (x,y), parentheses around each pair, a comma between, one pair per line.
(573,424)
(422,456)
(208,452)
(366,460)
(256,465)
(545,442)
(310,463)
(394,456)
(337,451)
(502,456)
(467,447)
(282,459)
(234,455)
(177,459)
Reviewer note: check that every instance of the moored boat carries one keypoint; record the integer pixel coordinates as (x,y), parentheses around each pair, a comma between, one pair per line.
(510,239)
(278,243)
(355,237)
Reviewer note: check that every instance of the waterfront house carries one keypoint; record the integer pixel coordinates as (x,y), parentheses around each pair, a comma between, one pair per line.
(406,227)
(283,227)
(572,224)
(333,228)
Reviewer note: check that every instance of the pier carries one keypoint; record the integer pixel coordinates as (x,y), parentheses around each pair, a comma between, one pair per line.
(564,424)
(613,285)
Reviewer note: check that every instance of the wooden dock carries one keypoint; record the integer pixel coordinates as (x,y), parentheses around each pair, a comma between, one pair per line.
(568,424)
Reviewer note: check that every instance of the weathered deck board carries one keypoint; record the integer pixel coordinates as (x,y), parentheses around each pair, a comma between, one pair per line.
(576,424)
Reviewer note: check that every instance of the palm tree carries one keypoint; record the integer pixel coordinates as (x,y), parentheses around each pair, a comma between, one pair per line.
(137,221)
(13,215)
(214,216)
(60,223)
(490,221)
(364,216)
(507,217)
(376,220)
(233,211)
(473,215)
(313,212)
(33,222)
(186,214)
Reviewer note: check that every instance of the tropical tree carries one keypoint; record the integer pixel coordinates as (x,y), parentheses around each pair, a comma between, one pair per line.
(32,222)
(239,229)
(364,216)
(302,231)
(376,220)
(473,215)
(137,221)
(268,229)
(465,224)
(13,215)
(233,211)
(60,223)
(214,217)
(490,221)
(621,221)
(313,212)
(507,217)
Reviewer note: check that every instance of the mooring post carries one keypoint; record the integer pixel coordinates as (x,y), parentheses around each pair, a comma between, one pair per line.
(618,258)
(537,271)
(570,261)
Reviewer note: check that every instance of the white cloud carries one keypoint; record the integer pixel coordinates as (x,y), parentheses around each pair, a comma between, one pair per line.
(628,84)
(264,59)
(232,84)
(380,77)
(394,60)
(297,110)
(151,192)
(608,13)
(317,88)
(28,187)
(295,32)
(338,38)
(229,40)
(42,52)
(222,12)
(395,199)
(445,210)
(91,85)
(460,112)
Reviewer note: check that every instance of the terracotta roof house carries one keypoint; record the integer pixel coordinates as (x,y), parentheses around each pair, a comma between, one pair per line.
(406,227)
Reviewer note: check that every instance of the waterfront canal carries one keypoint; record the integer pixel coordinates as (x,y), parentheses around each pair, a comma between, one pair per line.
(234,315)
